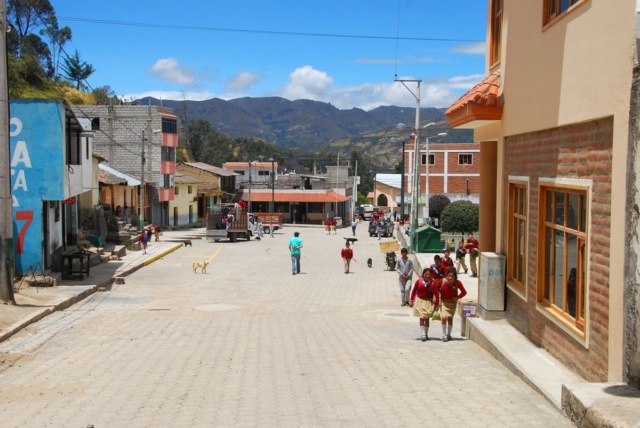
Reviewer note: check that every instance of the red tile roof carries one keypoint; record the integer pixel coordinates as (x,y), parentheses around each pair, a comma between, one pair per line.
(294,196)
(483,102)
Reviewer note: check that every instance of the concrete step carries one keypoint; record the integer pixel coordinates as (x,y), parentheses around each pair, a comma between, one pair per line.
(119,250)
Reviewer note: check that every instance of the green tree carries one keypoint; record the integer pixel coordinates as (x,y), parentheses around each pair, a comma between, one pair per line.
(105,96)
(437,203)
(461,217)
(76,70)
(57,38)
(27,15)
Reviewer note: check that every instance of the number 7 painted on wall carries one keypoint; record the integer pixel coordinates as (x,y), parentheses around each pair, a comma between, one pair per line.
(27,216)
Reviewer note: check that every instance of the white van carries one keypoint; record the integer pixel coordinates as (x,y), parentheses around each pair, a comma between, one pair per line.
(366,211)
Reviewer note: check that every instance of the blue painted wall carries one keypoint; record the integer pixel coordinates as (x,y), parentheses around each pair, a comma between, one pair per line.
(37,146)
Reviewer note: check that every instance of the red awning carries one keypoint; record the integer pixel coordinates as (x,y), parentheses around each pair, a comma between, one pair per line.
(295,197)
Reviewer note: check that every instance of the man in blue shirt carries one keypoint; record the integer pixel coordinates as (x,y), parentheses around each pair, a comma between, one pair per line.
(295,244)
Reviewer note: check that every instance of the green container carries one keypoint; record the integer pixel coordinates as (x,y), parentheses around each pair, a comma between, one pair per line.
(428,240)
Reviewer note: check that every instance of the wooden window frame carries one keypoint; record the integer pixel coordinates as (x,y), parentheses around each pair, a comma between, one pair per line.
(548,243)
(553,9)
(495,49)
(517,237)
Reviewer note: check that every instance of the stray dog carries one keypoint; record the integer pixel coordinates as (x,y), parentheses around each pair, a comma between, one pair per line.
(258,238)
(351,240)
(187,242)
(114,257)
(369,262)
(201,265)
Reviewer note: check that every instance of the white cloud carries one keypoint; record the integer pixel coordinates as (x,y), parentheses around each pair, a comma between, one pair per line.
(169,69)
(476,48)
(241,81)
(308,83)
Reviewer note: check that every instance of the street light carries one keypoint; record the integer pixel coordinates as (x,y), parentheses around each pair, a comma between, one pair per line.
(273,185)
(155,131)
(249,205)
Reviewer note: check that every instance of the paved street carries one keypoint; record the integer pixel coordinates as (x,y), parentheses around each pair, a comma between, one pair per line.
(249,344)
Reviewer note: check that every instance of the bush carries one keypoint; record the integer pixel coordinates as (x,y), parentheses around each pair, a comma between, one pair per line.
(461,217)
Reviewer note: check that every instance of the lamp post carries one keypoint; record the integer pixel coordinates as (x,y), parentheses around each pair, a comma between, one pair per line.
(141,203)
(402,185)
(273,186)
(249,205)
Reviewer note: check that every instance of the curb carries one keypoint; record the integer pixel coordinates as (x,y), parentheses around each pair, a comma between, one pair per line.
(79,297)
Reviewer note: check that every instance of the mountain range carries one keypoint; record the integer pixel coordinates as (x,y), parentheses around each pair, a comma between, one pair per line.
(313,125)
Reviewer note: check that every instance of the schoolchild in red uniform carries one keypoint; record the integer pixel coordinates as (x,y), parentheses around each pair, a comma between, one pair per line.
(451,290)
(327,226)
(424,301)
(473,251)
(347,255)
(436,268)
(334,226)
(446,261)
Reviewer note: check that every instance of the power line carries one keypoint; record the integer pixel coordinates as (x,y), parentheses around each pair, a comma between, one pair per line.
(254,31)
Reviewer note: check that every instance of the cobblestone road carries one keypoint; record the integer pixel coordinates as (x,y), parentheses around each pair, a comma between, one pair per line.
(249,344)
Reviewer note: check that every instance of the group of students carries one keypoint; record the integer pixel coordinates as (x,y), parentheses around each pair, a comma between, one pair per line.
(145,236)
(438,289)
(331,225)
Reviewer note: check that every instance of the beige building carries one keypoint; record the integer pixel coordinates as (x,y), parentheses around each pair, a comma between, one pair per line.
(553,121)
(183,210)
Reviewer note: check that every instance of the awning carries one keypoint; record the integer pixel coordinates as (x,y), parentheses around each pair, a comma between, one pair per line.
(481,105)
(299,196)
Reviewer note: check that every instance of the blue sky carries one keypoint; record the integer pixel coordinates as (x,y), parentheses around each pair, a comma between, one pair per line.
(201,49)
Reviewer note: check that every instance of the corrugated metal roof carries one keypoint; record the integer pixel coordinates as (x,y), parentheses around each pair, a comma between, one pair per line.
(392,180)
(213,169)
(246,164)
(129,180)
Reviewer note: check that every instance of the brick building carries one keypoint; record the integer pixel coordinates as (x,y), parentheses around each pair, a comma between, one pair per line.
(454,170)
(120,131)
(553,121)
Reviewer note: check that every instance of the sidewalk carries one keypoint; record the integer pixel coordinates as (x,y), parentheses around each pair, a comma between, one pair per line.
(34,303)
(586,404)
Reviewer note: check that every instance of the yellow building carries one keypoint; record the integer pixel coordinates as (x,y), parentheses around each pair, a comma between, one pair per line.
(183,210)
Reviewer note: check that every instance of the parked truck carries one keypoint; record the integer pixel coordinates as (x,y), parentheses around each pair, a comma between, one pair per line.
(225,223)
(267,219)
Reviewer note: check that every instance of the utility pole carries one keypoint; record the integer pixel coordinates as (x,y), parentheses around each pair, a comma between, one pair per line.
(6,214)
(141,203)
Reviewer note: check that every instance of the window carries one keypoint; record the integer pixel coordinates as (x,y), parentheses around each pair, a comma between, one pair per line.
(264,172)
(169,126)
(555,8)
(517,237)
(432,159)
(465,159)
(496,32)
(564,218)
(189,189)
(167,154)
(177,190)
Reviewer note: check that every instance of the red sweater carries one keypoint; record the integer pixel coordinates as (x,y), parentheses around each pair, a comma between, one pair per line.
(424,290)
(449,293)
(347,253)
(447,263)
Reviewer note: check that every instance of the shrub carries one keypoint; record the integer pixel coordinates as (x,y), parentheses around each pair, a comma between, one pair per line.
(461,217)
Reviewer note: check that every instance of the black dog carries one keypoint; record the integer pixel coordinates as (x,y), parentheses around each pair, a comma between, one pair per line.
(258,238)
(351,240)
(369,262)
(187,242)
